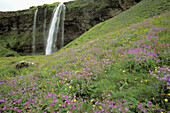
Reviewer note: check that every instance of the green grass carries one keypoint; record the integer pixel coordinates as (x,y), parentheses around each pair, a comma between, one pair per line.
(117,70)
(97,5)
(14,41)
(7,52)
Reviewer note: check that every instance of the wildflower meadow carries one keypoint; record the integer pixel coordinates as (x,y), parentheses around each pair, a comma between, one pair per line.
(122,71)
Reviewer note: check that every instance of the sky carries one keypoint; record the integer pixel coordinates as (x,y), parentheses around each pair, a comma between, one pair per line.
(14,5)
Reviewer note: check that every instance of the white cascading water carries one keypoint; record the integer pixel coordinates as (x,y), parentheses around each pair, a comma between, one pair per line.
(45,22)
(54,28)
(34,30)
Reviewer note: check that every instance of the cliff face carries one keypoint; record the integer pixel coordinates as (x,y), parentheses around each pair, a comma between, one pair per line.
(16,27)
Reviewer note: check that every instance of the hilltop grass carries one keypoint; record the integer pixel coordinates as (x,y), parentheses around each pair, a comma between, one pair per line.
(80,4)
(123,70)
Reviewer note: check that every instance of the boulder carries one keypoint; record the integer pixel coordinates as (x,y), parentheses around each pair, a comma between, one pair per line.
(23,64)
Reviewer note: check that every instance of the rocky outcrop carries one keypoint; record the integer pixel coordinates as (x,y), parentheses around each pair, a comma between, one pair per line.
(16,27)
(24,64)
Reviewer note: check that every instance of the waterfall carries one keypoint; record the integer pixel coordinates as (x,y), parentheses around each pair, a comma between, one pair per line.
(54,28)
(34,30)
(45,24)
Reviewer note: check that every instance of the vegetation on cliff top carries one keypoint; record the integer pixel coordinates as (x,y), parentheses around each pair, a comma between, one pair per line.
(99,4)
(125,69)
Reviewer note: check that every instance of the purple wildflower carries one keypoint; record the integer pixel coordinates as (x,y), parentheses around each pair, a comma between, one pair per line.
(149,102)
(126,108)
(109,95)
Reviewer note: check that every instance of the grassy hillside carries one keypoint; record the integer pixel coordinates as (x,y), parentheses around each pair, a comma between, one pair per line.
(14,41)
(114,67)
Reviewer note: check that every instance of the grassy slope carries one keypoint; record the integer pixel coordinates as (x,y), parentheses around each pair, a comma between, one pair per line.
(13,40)
(110,70)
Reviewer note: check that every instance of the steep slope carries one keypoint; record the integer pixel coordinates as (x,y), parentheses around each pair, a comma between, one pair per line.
(124,70)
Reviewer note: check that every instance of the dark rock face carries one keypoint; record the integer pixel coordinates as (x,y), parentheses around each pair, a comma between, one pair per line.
(79,19)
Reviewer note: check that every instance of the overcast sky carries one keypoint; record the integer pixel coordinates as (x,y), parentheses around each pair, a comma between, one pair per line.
(14,5)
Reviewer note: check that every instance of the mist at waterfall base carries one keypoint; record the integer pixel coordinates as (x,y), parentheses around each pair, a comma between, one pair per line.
(54,28)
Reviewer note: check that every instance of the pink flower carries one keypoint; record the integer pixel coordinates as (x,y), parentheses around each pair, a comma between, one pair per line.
(109,95)
(78,108)
(149,102)
(126,108)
